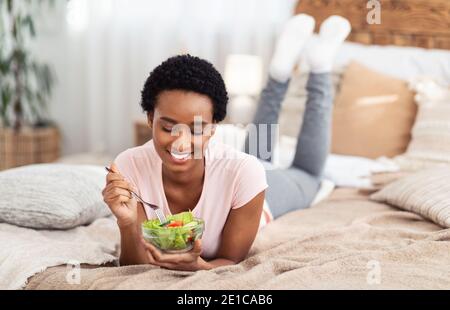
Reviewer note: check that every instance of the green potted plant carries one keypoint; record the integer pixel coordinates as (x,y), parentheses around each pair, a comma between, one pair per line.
(26,134)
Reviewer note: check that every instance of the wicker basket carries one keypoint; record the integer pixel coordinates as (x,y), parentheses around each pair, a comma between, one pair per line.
(28,146)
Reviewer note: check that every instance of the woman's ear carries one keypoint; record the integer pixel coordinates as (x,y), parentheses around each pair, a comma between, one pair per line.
(150,116)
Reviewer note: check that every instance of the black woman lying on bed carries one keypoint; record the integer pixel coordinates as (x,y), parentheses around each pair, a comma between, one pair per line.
(235,193)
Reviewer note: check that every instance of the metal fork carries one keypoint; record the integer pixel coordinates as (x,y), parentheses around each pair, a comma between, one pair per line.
(161,217)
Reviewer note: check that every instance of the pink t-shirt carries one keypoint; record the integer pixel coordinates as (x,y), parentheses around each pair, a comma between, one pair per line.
(232,179)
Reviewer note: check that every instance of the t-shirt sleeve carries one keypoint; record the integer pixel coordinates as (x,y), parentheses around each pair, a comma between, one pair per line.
(126,165)
(250,181)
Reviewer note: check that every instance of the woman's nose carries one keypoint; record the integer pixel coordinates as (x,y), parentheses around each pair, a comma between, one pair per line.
(182,144)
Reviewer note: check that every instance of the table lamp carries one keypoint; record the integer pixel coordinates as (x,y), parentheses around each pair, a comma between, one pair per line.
(243,78)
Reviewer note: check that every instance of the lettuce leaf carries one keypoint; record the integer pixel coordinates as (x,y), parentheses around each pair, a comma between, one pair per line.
(172,238)
(185,217)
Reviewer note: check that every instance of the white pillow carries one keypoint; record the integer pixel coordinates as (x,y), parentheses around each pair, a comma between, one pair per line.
(402,62)
(52,196)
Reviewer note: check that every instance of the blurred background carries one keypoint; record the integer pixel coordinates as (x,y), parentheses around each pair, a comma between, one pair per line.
(100,53)
(71,73)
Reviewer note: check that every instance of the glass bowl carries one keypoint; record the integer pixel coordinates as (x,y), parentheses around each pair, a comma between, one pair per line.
(178,239)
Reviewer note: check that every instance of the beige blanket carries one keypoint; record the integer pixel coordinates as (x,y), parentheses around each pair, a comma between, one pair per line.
(25,252)
(346,242)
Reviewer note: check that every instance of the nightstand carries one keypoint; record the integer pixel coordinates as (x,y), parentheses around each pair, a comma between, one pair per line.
(142,133)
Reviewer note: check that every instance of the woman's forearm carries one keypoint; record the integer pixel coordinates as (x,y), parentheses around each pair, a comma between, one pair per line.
(131,251)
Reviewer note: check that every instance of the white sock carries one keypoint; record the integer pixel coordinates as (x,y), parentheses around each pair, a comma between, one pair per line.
(321,51)
(290,45)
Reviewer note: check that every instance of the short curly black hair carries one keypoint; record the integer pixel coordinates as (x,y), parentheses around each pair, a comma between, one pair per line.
(190,73)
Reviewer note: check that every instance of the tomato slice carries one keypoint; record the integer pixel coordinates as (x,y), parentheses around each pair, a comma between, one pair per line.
(175,224)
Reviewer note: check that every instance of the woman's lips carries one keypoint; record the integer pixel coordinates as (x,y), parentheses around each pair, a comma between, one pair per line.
(179,157)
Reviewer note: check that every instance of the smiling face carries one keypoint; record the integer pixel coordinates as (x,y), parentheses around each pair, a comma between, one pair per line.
(182,124)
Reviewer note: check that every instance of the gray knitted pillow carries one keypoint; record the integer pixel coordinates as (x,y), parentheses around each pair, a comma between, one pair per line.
(52,196)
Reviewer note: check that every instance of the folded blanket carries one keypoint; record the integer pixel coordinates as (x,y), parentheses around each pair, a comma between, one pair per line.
(25,252)
(342,170)
(354,171)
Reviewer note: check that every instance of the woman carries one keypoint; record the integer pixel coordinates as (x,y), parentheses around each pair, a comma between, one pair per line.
(181,169)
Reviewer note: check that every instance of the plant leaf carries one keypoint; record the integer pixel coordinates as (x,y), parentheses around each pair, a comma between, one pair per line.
(25,85)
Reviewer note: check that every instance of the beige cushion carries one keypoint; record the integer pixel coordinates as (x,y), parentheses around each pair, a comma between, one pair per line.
(430,144)
(426,193)
(373,114)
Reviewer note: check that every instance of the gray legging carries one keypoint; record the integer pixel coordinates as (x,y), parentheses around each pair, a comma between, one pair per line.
(295,187)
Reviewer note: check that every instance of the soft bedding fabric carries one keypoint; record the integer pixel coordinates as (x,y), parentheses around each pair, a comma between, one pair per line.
(25,252)
(345,242)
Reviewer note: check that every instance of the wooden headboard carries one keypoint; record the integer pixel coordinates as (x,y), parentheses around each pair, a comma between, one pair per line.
(421,23)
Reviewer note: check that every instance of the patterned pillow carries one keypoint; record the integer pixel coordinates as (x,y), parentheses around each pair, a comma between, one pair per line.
(52,196)
(426,193)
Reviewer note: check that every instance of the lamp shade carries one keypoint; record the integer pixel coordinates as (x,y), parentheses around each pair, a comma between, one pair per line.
(243,74)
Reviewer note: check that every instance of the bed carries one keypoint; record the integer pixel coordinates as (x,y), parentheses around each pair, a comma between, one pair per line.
(347,241)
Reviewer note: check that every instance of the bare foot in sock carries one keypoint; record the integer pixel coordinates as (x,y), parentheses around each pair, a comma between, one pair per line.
(321,51)
(290,45)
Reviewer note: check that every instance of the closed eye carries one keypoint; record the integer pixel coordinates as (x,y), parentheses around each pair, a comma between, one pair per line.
(193,132)
(166,129)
